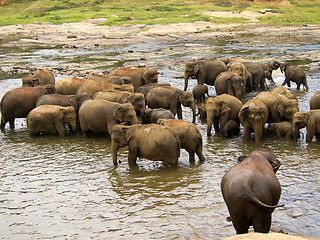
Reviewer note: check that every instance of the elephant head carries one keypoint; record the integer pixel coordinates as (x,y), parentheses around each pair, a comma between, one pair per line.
(48,89)
(217,114)
(186,99)
(125,113)
(287,108)
(236,86)
(138,102)
(300,120)
(68,115)
(283,66)
(120,137)
(30,82)
(191,69)
(150,76)
(76,100)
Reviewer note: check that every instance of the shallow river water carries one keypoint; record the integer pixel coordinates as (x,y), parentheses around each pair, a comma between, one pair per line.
(68,188)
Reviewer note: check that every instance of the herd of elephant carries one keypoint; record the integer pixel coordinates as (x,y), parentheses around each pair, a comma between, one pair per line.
(116,104)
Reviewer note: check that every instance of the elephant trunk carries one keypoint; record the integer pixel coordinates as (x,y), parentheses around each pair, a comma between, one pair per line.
(193,107)
(295,132)
(186,78)
(257,128)
(209,125)
(114,149)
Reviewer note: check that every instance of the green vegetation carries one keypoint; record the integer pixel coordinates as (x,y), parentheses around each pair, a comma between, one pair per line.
(120,12)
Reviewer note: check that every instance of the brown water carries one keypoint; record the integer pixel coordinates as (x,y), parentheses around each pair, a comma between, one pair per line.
(68,188)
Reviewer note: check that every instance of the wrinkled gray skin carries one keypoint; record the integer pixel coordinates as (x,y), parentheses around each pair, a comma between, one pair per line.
(150,141)
(171,98)
(46,118)
(241,69)
(111,79)
(293,74)
(310,120)
(257,74)
(18,102)
(153,115)
(315,101)
(40,78)
(268,68)
(63,100)
(189,135)
(146,88)
(280,129)
(252,191)
(230,83)
(205,71)
(101,115)
(230,129)
(199,92)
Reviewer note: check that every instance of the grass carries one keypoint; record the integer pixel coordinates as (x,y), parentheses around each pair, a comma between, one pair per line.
(127,12)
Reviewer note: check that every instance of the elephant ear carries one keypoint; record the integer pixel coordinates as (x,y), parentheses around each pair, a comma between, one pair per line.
(118,113)
(36,82)
(73,102)
(128,134)
(62,113)
(243,113)
(176,94)
(280,108)
(196,68)
(224,107)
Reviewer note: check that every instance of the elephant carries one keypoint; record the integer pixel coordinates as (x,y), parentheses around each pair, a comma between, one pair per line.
(46,118)
(202,112)
(139,76)
(253,115)
(280,129)
(315,101)
(310,120)
(92,87)
(63,100)
(111,79)
(257,74)
(268,68)
(230,83)
(69,85)
(146,88)
(39,78)
(199,92)
(220,109)
(294,74)
(286,92)
(230,128)
(101,115)
(153,115)
(205,71)
(150,141)
(189,135)
(136,99)
(280,107)
(252,191)
(18,102)
(241,69)
(171,98)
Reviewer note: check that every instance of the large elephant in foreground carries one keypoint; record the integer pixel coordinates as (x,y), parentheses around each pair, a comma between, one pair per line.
(294,74)
(101,115)
(252,191)
(150,141)
(189,135)
(205,71)
(139,76)
(18,102)
(253,115)
(46,118)
(230,83)
(220,109)
(69,85)
(315,101)
(40,78)
(171,98)
(280,108)
(310,120)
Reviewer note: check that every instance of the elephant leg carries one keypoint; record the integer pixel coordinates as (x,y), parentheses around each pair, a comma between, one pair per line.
(247,132)
(310,134)
(262,222)
(241,226)
(11,123)
(191,157)
(298,86)
(199,153)
(179,113)
(132,156)
(317,136)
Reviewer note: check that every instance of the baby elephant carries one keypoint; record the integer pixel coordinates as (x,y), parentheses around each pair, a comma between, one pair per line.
(199,92)
(153,115)
(189,134)
(294,74)
(280,129)
(46,118)
(230,129)
(151,141)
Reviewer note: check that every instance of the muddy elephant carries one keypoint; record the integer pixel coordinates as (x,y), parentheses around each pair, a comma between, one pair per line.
(241,69)
(69,85)
(189,135)
(230,83)
(146,88)
(257,75)
(268,68)
(315,101)
(280,129)
(310,120)
(152,115)
(92,87)
(280,107)
(293,74)
(101,115)
(40,78)
(252,191)
(205,71)
(199,92)
(63,100)
(46,118)
(286,92)
(230,129)
(18,102)
(139,76)
(136,99)
(150,141)
(220,109)
(111,79)
(171,98)
(253,116)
